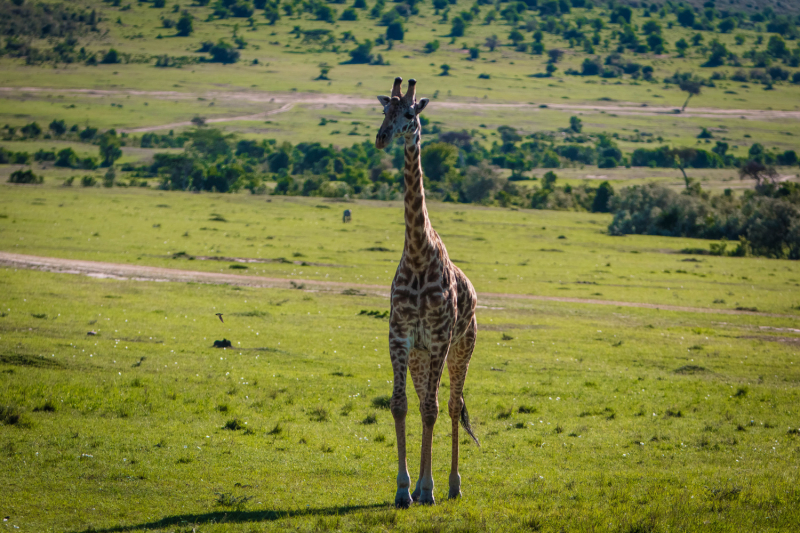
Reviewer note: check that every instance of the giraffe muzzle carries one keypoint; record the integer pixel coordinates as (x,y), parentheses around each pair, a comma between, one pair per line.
(382,140)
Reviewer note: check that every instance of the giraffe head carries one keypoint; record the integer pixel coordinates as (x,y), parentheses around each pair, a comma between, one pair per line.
(401,114)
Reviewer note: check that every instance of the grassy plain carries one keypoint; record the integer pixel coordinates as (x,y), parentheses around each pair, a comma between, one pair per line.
(505,251)
(590,417)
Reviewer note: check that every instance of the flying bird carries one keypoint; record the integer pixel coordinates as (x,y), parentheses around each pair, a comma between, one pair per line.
(220,317)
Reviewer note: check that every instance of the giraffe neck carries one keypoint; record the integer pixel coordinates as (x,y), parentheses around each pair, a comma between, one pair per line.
(419,231)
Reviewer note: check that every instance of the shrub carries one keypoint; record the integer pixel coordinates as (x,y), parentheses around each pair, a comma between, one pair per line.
(184,25)
(58,127)
(361,54)
(395,31)
(25,176)
(31,130)
(349,14)
(224,53)
(111,57)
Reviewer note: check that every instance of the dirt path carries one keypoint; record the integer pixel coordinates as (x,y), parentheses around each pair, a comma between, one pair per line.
(257,116)
(121,271)
(317,99)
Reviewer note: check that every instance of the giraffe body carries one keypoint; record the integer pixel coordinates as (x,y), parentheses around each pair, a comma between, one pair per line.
(432,319)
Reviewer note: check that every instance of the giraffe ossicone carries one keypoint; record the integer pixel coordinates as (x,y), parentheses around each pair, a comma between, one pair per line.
(432,320)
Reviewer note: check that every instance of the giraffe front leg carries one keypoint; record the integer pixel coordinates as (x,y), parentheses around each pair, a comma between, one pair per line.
(398,349)
(419,368)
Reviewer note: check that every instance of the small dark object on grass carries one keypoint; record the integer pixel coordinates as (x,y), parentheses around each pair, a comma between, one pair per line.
(219,315)
(48,407)
(497,369)
(91,333)
(224,343)
(375,314)
(233,425)
(690,369)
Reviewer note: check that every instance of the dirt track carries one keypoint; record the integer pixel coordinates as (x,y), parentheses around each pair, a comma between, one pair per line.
(121,271)
(314,99)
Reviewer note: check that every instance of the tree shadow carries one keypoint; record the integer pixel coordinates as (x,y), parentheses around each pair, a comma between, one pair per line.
(236,517)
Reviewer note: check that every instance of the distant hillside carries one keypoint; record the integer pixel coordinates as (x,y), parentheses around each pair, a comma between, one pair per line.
(782,7)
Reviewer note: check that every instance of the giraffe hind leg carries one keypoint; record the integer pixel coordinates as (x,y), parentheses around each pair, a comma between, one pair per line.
(457,366)
(398,348)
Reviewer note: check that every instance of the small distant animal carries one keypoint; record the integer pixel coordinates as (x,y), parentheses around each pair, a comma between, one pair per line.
(220,317)
(91,332)
(346,215)
(224,343)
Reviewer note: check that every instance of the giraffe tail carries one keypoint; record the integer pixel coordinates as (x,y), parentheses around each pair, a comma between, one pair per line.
(465,422)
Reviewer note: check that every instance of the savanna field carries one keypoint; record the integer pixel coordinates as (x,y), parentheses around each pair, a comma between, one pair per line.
(637,366)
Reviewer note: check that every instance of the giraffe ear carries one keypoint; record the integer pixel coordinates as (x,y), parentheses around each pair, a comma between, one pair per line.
(384,100)
(422,104)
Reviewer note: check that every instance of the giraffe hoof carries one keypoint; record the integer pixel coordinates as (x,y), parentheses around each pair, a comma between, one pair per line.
(403,499)
(425,498)
(454,494)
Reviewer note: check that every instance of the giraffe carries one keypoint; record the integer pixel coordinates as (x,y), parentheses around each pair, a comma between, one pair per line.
(432,318)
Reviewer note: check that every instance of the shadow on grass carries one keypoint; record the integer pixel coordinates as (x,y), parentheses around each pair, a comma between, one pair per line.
(238,517)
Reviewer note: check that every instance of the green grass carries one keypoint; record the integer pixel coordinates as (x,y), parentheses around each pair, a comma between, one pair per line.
(596,419)
(502,250)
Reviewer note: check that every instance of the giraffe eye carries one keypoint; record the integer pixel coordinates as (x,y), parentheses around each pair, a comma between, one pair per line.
(409,116)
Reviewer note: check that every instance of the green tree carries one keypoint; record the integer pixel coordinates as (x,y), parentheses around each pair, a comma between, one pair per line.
(362,53)
(727,25)
(110,148)
(395,31)
(184,25)
(111,57)
(681,45)
(58,127)
(601,198)
(575,124)
(651,26)
(459,26)
(777,47)
(438,159)
(686,17)
(717,55)
(692,87)
(549,180)
(656,43)
(224,53)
